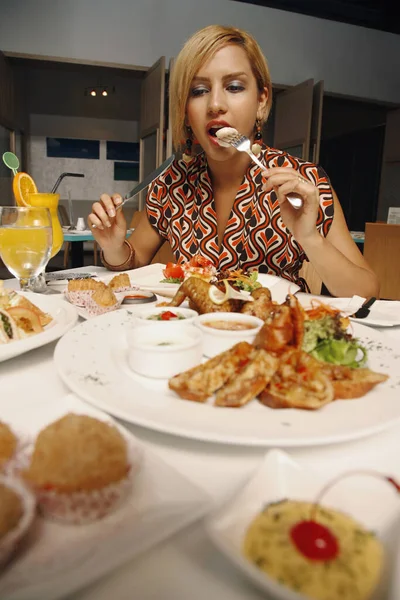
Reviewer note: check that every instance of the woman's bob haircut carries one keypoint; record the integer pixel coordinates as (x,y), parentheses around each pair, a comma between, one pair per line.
(195,53)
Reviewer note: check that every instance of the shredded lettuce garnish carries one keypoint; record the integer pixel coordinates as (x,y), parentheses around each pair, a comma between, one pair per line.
(326,340)
(349,353)
(247,282)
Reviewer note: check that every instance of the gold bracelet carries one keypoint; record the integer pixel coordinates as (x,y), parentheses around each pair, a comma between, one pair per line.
(127,264)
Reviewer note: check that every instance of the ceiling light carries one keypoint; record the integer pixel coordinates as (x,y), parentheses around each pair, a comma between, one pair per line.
(104,93)
(93,92)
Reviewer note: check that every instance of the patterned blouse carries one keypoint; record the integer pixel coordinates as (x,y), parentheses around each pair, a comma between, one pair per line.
(180,206)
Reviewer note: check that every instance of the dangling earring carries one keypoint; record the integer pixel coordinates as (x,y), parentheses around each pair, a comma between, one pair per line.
(187,153)
(256,147)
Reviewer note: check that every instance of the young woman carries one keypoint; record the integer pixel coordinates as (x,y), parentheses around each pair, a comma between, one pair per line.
(219,204)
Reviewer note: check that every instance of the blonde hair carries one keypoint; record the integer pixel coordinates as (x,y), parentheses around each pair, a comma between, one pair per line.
(198,50)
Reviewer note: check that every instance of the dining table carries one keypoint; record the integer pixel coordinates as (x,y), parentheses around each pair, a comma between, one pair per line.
(77,238)
(187,566)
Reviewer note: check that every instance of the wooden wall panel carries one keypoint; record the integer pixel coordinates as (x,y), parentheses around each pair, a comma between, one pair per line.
(382,251)
(7,103)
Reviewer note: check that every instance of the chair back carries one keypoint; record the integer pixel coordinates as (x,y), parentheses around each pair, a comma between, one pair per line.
(382,252)
(312,278)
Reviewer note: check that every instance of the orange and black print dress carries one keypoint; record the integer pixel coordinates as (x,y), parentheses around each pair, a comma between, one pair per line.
(180,206)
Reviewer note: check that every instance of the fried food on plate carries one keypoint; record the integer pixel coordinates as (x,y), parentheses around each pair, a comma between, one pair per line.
(262,305)
(202,381)
(197,291)
(284,327)
(351,383)
(249,382)
(120,283)
(299,382)
(11,299)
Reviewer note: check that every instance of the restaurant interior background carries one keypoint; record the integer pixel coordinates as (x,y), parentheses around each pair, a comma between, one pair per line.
(46,80)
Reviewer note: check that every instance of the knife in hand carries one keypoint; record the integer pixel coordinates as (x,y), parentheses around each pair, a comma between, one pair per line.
(147,181)
(143,184)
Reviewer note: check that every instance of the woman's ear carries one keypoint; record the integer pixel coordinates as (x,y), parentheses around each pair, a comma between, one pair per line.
(262,104)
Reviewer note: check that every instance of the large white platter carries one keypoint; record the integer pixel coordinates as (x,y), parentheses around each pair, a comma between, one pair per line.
(64,316)
(55,560)
(150,278)
(278,478)
(92,361)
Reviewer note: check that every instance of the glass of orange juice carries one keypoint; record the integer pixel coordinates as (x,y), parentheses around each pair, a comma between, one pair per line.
(49,201)
(26,241)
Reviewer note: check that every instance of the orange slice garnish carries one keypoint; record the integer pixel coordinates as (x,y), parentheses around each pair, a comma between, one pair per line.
(23,185)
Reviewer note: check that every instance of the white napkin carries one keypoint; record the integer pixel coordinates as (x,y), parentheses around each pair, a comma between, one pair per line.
(351,306)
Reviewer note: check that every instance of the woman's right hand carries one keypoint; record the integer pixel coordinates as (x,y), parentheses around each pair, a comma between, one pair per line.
(107,224)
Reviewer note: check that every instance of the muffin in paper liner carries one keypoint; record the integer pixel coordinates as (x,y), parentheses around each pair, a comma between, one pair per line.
(120,283)
(79,298)
(10,466)
(94,310)
(80,508)
(10,541)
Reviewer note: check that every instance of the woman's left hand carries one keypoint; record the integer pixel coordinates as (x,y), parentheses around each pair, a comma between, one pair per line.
(285,180)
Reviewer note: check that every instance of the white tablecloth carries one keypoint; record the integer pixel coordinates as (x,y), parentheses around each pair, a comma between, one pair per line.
(187,566)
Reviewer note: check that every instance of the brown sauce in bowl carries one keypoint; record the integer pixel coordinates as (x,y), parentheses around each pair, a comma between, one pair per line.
(229,325)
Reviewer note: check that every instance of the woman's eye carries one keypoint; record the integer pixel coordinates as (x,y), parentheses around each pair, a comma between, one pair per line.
(199,91)
(235,87)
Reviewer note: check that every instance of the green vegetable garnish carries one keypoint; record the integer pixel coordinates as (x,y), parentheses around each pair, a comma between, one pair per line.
(341,352)
(171,280)
(326,340)
(250,283)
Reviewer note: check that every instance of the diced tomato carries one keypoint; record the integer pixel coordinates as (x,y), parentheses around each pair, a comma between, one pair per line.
(200,261)
(174,271)
(168,315)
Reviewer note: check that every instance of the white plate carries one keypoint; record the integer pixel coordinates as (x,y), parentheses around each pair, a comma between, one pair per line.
(278,478)
(64,317)
(150,278)
(384,313)
(58,559)
(92,361)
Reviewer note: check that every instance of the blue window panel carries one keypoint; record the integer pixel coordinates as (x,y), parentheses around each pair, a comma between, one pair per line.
(72,148)
(126,171)
(123,151)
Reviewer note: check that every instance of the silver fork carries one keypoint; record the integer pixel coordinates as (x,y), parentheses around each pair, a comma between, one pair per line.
(242,143)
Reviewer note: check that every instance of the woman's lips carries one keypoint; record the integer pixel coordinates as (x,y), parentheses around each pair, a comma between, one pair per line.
(213,125)
(214,141)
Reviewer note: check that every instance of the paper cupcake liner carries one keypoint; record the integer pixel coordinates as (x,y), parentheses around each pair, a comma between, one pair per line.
(93,309)
(122,288)
(80,297)
(9,542)
(80,508)
(10,467)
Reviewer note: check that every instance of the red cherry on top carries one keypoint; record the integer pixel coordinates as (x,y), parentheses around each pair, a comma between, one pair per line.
(317,542)
(314,541)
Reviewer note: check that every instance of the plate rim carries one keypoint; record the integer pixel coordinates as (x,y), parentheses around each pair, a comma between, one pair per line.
(219,437)
(54,332)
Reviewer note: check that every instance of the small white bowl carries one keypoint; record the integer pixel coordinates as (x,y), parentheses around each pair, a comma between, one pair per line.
(161,352)
(216,340)
(143,317)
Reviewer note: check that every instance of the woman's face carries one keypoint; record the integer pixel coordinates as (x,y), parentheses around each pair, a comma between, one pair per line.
(224,93)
